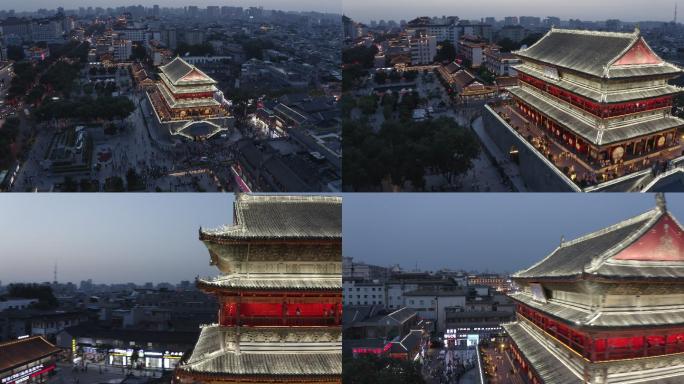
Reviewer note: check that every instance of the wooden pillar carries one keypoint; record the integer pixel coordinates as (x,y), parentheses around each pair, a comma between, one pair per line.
(237,310)
(284,311)
(337,313)
(645,346)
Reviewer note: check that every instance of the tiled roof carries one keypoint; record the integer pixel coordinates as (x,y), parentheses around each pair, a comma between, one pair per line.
(614,97)
(574,257)
(282,217)
(588,131)
(16,353)
(179,68)
(176,69)
(267,351)
(600,318)
(549,368)
(257,364)
(591,52)
(295,283)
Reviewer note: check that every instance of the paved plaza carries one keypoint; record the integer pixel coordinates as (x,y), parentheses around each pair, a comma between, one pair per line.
(183,166)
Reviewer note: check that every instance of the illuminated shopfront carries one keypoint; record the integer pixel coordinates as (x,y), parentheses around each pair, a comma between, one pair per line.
(145,359)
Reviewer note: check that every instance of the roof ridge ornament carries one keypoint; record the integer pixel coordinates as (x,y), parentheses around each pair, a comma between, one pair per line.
(660,202)
(637,30)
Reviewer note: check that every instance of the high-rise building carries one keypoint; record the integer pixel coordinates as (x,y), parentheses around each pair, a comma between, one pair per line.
(423,49)
(280,294)
(605,307)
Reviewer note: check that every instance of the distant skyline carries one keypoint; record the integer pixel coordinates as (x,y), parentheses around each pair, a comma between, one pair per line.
(590,10)
(483,231)
(109,238)
(332,6)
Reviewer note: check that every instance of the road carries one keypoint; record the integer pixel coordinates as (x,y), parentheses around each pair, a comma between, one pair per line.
(95,374)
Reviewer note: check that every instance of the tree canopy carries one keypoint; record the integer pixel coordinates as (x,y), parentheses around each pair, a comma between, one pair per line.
(86,108)
(8,135)
(380,370)
(403,151)
(46,299)
(446,52)
(194,50)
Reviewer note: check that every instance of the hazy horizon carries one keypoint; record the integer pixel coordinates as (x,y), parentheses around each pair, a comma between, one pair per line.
(328,6)
(625,10)
(482,231)
(109,238)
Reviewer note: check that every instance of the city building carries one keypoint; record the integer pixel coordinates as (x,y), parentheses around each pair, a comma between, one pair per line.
(472,49)
(423,49)
(184,101)
(369,330)
(433,303)
(122,50)
(515,33)
(280,313)
(500,63)
(498,282)
(605,307)
(368,292)
(156,350)
(28,359)
(16,303)
(444,32)
(612,113)
(360,270)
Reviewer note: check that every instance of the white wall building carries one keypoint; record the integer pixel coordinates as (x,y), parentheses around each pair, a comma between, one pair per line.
(16,304)
(444,32)
(423,49)
(363,293)
(431,304)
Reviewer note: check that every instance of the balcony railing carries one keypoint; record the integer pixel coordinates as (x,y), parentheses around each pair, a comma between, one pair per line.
(279,321)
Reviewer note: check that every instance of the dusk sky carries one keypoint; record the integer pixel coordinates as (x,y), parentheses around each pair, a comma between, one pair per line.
(334,6)
(111,238)
(627,10)
(495,232)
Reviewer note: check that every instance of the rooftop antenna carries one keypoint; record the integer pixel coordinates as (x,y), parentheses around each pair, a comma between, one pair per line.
(675,14)
(54,277)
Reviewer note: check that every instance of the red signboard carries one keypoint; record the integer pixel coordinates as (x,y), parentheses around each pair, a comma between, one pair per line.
(663,242)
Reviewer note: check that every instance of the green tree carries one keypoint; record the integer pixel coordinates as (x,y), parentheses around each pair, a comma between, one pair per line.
(531,39)
(445,52)
(134,181)
(368,104)
(46,299)
(380,370)
(114,184)
(508,45)
(364,56)
(15,52)
(69,185)
(139,53)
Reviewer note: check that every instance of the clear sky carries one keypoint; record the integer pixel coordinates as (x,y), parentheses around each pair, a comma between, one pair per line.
(627,10)
(334,6)
(495,232)
(110,238)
